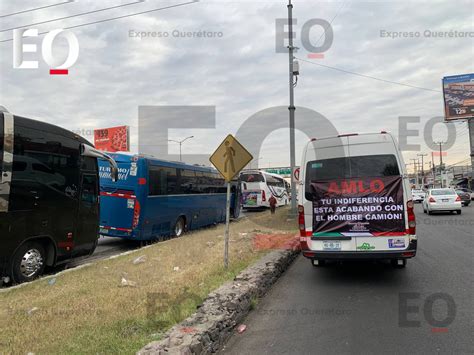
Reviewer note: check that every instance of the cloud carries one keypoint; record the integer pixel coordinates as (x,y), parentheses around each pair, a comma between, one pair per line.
(239,72)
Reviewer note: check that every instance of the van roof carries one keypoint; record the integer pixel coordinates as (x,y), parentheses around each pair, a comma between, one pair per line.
(352,145)
(351,139)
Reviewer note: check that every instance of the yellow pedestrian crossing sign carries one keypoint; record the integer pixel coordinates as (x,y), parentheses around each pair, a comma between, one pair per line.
(230,158)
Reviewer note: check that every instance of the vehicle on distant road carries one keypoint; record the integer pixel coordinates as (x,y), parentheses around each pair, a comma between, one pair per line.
(465,197)
(49,197)
(418,195)
(356,200)
(470,192)
(442,200)
(258,186)
(155,199)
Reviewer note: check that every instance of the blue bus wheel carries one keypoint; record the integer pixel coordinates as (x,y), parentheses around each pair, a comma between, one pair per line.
(179,227)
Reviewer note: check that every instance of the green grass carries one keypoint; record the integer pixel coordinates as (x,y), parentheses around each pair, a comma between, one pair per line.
(88,312)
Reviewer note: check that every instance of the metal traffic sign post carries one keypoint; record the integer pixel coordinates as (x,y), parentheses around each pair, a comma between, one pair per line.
(229,159)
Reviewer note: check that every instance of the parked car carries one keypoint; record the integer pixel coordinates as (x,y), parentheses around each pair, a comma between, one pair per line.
(442,200)
(418,195)
(465,197)
(470,192)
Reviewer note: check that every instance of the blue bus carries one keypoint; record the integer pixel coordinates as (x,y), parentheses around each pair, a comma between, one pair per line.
(154,199)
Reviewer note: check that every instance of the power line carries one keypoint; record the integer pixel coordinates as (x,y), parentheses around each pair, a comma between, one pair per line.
(459,162)
(330,22)
(117,18)
(368,76)
(35,9)
(71,16)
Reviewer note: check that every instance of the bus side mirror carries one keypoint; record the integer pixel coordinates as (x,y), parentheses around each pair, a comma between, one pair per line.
(114,173)
(89,151)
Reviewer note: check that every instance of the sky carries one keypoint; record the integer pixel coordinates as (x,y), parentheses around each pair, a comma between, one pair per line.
(233,69)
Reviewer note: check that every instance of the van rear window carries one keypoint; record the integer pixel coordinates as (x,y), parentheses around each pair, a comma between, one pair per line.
(352,167)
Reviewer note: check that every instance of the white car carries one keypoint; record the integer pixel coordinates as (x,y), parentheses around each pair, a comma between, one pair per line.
(418,195)
(442,200)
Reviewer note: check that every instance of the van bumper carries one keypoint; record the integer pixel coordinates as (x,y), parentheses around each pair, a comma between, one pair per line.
(407,253)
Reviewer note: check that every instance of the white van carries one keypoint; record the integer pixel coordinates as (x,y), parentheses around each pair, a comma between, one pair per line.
(356,200)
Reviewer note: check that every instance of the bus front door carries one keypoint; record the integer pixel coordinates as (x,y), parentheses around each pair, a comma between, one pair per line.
(87,228)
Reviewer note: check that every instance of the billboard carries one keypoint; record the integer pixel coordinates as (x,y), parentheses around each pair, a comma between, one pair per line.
(113,139)
(458,93)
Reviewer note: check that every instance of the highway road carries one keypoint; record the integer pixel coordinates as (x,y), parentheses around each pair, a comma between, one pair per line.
(361,307)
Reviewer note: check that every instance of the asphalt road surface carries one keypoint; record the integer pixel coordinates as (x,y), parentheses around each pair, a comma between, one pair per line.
(358,307)
(106,247)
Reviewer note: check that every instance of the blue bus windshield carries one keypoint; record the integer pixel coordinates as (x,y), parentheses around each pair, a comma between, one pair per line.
(127,176)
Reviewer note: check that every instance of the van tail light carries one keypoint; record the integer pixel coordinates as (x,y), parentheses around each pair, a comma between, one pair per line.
(432,200)
(411,218)
(264,197)
(458,199)
(303,236)
(301,221)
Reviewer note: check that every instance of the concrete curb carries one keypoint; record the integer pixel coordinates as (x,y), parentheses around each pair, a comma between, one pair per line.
(207,330)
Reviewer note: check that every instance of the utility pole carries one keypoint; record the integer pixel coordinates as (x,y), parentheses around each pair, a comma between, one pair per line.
(440,161)
(415,171)
(440,154)
(432,161)
(292,108)
(422,168)
(470,123)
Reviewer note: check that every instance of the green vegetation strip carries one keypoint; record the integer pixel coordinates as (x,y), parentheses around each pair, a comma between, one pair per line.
(119,305)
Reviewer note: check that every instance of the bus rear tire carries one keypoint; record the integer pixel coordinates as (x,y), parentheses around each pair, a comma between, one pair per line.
(28,262)
(179,227)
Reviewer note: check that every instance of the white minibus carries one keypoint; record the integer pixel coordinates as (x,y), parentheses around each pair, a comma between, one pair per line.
(355,200)
(258,186)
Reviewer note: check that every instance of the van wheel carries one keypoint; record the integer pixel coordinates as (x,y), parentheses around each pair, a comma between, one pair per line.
(459,211)
(317,262)
(179,226)
(430,212)
(28,262)
(399,263)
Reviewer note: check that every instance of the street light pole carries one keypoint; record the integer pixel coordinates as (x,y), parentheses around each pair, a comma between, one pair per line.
(291,108)
(180,144)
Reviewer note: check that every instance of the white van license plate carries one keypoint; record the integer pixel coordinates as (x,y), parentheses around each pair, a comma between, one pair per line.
(330,245)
